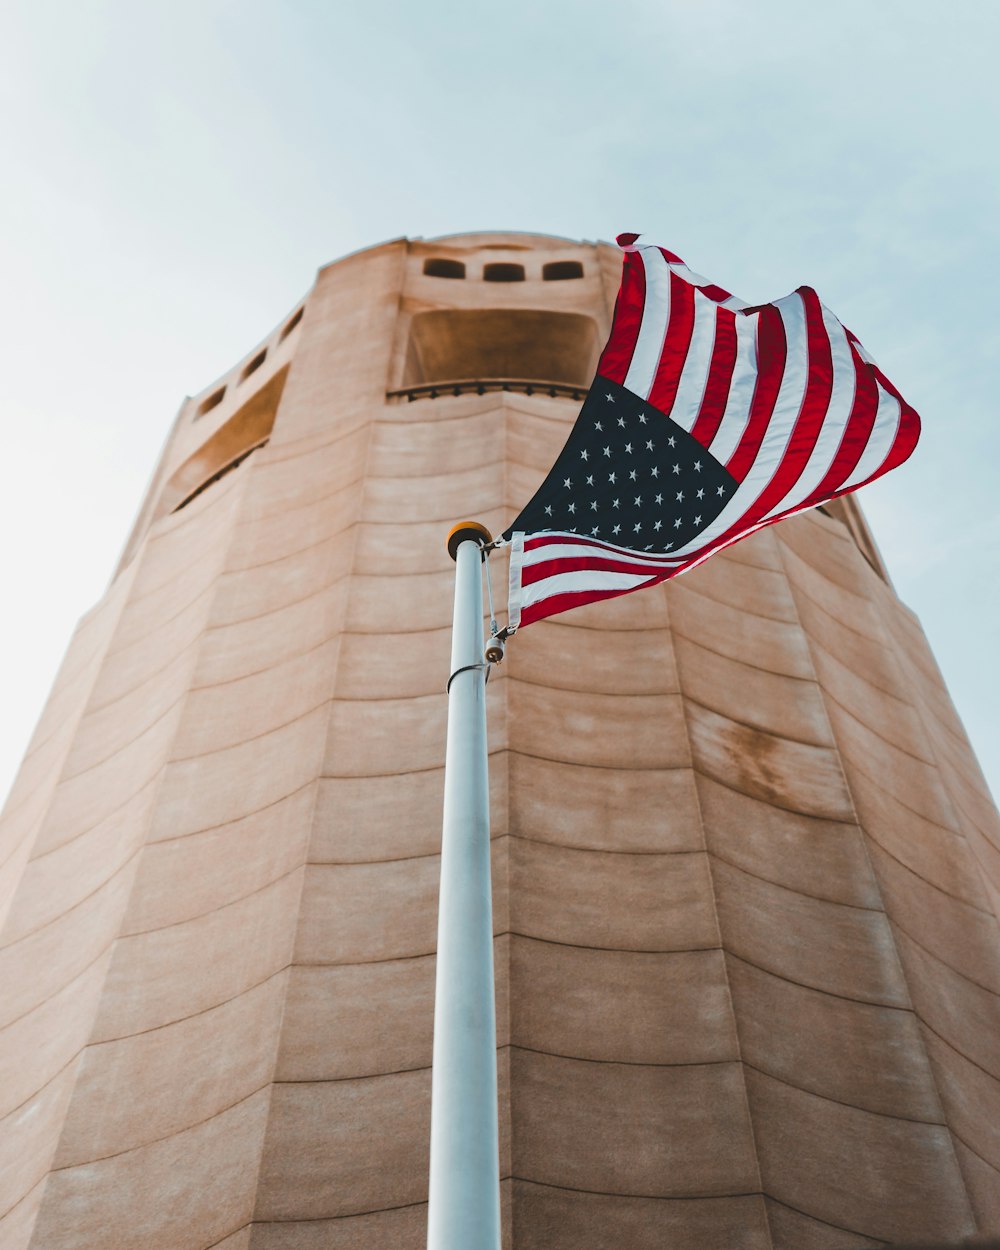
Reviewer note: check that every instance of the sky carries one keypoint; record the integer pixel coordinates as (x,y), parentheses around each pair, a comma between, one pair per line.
(173,175)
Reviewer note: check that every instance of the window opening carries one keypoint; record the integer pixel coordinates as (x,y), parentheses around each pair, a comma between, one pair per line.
(291,325)
(213,401)
(558,270)
(254,365)
(441,267)
(503,271)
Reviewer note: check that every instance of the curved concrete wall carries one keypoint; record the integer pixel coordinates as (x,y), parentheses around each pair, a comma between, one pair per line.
(747,872)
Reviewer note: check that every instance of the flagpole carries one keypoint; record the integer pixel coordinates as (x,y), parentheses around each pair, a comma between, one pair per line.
(464,1198)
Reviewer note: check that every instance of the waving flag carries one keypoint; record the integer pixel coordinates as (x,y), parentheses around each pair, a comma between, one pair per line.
(707,420)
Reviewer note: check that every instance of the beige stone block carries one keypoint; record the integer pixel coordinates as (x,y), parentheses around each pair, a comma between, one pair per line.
(395,816)
(869,659)
(885,1178)
(841,950)
(434,495)
(941,856)
(38,1046)
(793,1230)
(756,591)
(176,1077)
(823,858)
(913,781)
(18,1222)
(114,726)
(40,964)
(960,1012)
(413,446)
(339,1148)
(793,775)
(860,1054)
(960,935)
(787,706)
(971,1099)
(55,881)
(611,900)
(282,535)
(403,1228)
(358,913)
(248,594)
(726,630)
(230,652)
(621,1006)
(893,719)
(674,1131)
(394,666)
(357,1020)
(28,1138)
(300,477)
(851,609)
(170,974)
(202,1179)
(983,1182)
(400,603)
(557,655)
(405,546)
(612,809)
(829,546)
(210,790)
(370,737)
(181,878)
(547,1218)
(217,717)
(617,731)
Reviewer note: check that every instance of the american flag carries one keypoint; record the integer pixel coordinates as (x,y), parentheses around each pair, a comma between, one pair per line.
(708,419)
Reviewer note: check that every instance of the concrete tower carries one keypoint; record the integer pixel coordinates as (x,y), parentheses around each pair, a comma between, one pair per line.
(747,872)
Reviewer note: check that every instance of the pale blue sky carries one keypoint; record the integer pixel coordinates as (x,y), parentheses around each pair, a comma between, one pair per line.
(174,174)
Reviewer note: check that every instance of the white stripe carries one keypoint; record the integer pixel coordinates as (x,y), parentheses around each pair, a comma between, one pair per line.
(741,389)
(697,280)
(553,549)
(694,375)
(834,422)
(585,580)
(653,326)
(881,441)
(514,600)
(772,451)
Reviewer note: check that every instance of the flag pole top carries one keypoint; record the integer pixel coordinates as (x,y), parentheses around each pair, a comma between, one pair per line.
(467,531)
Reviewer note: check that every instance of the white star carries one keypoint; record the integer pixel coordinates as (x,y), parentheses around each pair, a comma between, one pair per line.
(617,529)
(655,471)
(697,520)
(642,418)
(612,478)
(671,441)
(637,527)
(638,500)
(590,480)
(595,530)
(700,495)
(659,499)
(677,469)
(568,481)
(607,451)
(649,445)
(593,505)
(610,398)
(615,503)
(621,422)
(697,466)
(548,510)
(631,475)
(677,524)
(721,490)
(648,547)
(583,455)
(657,525)
(680,496)
(598,426)
(572,507)
(628,448)
(668,546)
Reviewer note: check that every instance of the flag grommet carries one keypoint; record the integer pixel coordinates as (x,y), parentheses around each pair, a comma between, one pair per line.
(467,531)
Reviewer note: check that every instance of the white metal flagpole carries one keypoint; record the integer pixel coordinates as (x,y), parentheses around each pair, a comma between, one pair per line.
(464,1203)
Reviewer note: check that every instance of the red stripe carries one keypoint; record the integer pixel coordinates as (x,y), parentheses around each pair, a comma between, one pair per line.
(676,343)
(771,350)
(617,356)
(577,599)
(720,376)
(715,292)
(856,432)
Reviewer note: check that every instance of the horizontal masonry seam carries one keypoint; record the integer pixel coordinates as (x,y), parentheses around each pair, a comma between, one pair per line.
(933,885)
(496,836)
(791,889)
(875,1004)
(743,663)
(534,937)
(282,607)
(839,1227)
(264,733)
(995,994)
(828,747)
(919,759)
(193,833)
(853,1106)
(893,797)
(270,668)
(530,755)
(951,1046)
(140,733)
(211,911)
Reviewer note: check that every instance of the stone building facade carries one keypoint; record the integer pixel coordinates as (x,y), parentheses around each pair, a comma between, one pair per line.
(746,869)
